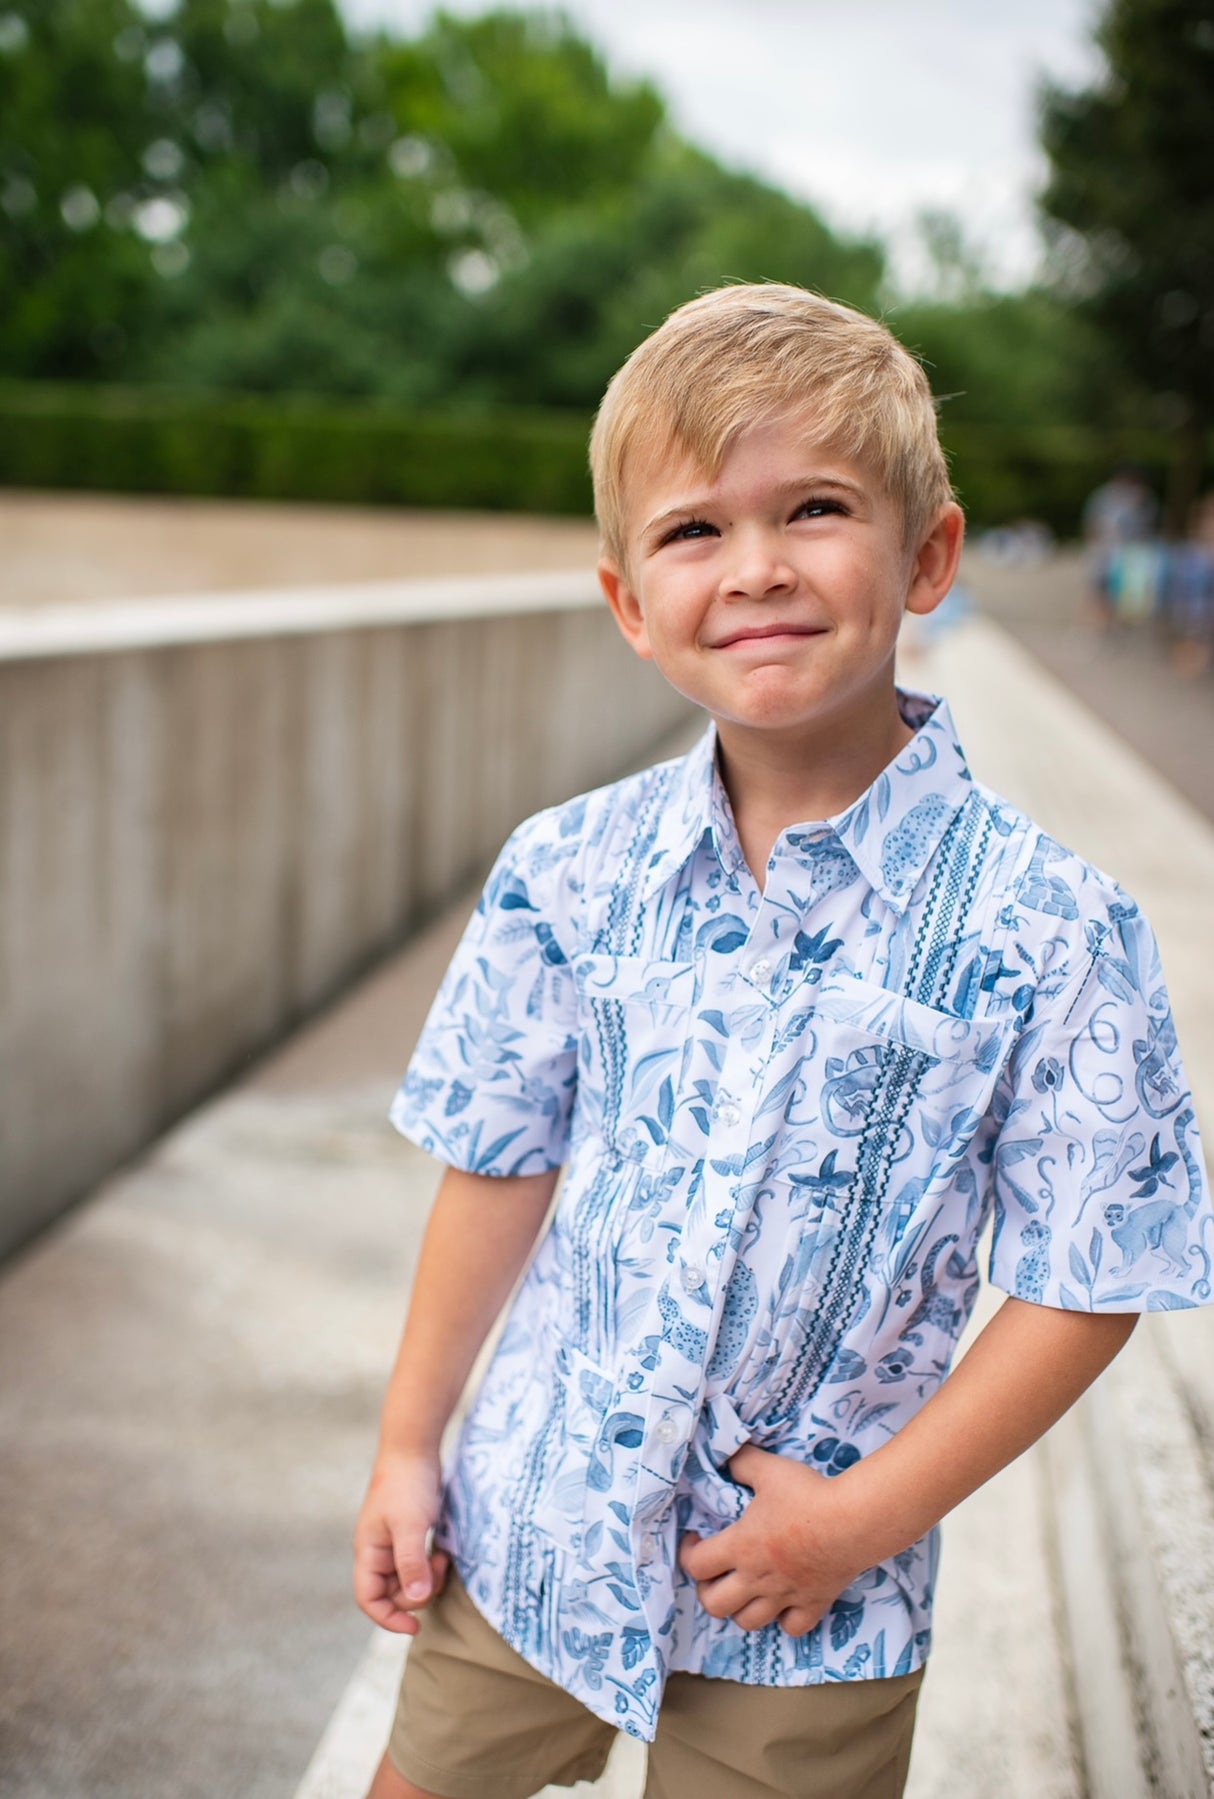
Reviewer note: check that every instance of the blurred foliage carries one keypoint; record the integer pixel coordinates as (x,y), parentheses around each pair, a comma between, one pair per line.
(1132,203)
(236,197)
(1012,360)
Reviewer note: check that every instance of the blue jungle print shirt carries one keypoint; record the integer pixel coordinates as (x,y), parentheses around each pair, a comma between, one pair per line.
(786,1118)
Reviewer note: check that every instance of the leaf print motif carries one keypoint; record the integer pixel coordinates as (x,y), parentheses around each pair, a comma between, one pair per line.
(829,1182)
(458,1098)
(1155,1172)
(512,895)
(1116,976)
(818,948)
(845,1616)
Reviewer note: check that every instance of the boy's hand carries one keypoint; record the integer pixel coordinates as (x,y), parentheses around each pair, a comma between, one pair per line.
(788,1557)
(394,1573)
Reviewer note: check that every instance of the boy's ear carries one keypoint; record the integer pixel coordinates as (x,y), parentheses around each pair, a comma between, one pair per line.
(625,608)
(934,568)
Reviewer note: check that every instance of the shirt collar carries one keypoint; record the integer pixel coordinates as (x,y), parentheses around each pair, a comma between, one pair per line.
(895,827)
(891,831)
(686,815)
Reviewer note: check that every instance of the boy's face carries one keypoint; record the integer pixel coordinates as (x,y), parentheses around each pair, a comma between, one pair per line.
(771,594)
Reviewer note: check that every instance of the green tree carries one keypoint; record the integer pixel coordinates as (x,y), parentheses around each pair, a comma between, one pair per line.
(74,126)
(580,215)
(234,194)
(522,108)
(1130,190)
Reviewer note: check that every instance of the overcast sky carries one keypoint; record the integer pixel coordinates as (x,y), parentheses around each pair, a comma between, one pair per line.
(872,109)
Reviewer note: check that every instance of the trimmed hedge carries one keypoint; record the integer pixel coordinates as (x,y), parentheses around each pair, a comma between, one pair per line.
(148,440)
(138,440)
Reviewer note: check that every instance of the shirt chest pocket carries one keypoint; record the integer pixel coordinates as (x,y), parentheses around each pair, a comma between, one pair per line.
(906,1079)
(633,1022)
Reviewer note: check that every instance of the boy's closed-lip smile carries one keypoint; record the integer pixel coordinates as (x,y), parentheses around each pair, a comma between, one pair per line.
(749,634)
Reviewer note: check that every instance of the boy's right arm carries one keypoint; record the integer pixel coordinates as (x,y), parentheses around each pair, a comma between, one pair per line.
(480,1233)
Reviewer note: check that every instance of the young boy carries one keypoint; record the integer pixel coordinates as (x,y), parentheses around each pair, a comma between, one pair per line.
(794,1014)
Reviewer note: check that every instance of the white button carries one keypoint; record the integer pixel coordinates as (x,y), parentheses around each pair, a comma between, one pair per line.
(728,1113)
(761,969)
(693,1278)
(667,1431)
(648,1547)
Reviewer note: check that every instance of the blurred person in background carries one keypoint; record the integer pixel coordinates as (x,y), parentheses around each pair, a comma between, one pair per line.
(1121,512)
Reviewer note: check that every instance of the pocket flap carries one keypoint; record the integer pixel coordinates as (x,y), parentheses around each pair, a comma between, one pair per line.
(940,1035)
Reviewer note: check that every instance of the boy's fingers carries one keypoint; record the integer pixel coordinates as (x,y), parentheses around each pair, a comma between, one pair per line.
(726,1597)
(746,1465)
(388,1615)
(706,1557)
(757,1613)
(378,1557)
(377,1593)
(420,1574)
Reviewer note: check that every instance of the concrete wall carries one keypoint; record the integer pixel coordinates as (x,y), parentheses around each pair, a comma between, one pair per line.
(213,813)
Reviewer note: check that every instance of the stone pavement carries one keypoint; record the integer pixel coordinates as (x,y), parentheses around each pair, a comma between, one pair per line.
(194,1361)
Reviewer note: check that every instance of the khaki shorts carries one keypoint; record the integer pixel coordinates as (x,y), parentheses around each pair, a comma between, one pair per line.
(475,1721)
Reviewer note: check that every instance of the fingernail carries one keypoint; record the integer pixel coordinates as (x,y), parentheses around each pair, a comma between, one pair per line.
(418,1590)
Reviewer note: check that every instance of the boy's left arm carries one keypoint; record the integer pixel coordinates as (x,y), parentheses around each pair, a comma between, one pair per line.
(804,1536)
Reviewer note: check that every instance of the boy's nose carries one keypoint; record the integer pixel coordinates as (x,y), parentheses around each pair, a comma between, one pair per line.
(757,568)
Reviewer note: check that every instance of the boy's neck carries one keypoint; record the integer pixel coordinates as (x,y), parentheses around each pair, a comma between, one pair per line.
(775,780)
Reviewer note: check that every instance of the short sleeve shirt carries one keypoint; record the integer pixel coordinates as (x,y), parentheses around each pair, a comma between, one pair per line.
(785,1118)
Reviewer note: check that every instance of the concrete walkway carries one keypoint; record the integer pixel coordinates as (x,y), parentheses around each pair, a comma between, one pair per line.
(194,1362)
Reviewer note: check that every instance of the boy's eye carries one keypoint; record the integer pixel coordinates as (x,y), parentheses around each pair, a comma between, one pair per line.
(819,506)
(689,531)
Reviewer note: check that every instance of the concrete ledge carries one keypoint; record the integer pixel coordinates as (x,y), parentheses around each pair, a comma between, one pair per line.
(228,617)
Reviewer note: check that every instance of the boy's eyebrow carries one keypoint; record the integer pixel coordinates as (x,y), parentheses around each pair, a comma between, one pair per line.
(800,485)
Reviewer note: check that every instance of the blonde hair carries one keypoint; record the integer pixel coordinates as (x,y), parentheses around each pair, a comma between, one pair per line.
(742,354)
